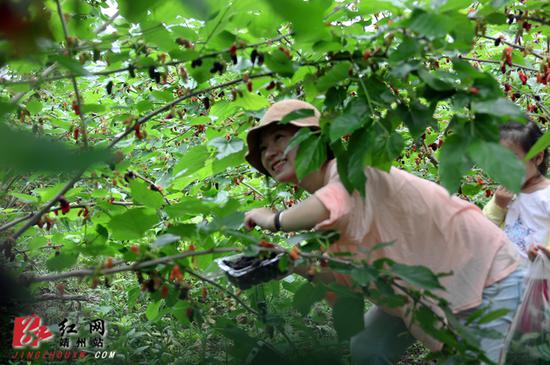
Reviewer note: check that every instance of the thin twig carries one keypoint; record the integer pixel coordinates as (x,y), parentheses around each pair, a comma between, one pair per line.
(497,62)
(136,266)
(253,189)
(521,48)
(152,183)
(228,292)
(107,23)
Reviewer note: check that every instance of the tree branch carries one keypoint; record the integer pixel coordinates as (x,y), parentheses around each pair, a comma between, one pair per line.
(521,48)
(121,268)
(63,298)
(126,69)
(497,63)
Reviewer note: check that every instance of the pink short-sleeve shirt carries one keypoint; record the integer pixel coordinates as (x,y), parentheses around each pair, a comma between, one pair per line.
(428,227)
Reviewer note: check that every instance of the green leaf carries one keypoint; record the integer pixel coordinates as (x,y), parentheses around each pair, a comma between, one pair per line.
(297,114)
(430,25)
(541,144)
(500,107)
(135,10)
(407,49)
(336,74)
(143,195)
(491,316)
(419,276)
(348,316)
(133,224)
(225,147)
(306,17)
(353,118)
(453,162)
(417,118)
(499,162)
(61,261)
(34,106)
(306,296)
(312,153)
(279,63)
(298,137)
(152,311)
(251,101)
(193,160)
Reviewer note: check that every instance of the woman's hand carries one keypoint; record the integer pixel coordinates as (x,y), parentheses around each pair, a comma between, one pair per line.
(533,250)
(503,197)
(263,217)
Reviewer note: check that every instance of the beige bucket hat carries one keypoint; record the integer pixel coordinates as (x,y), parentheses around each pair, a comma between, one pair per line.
(275,113)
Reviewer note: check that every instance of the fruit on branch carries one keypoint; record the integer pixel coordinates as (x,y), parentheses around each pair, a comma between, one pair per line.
(76,133)
(155,187)
(196,63)
(175,274)
(109,87)
(488,193)
(206,102)
(132,70)
(76,107)
(129,175)
(135,249)
(164,291)
(260,59)
(285,51)
(271,85)
(473,90)
(507,87)
(96,54)
(154,74)
(189,312)
(249,86)
(522,77)
(108,263)
(294,253)
(497,41)
(367,54)
(204,293)
(253,56)
(138,132)
(217,67)
(184,42)
(526,25)
(65,206)
(507,56)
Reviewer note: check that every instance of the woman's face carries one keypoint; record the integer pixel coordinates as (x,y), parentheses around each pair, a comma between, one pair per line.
(273,143)
(531,166)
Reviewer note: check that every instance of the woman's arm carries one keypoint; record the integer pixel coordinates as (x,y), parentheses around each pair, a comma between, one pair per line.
(304,215)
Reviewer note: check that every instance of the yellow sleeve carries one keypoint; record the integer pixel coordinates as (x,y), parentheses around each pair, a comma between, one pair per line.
(495,213)
(548,243)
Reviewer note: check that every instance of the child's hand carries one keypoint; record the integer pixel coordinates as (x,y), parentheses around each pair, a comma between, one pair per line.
(503,197)
(263,217)
(533,251)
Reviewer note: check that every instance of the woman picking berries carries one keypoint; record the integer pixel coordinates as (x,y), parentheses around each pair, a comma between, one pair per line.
(428,227)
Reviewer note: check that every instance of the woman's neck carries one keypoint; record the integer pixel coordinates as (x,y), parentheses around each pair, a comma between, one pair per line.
(315,180)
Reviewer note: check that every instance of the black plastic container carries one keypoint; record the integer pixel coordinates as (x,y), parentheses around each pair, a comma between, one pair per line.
(246,271)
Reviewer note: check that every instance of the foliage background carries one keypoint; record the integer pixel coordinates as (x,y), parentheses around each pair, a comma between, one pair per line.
(123,133)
